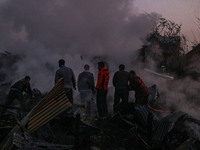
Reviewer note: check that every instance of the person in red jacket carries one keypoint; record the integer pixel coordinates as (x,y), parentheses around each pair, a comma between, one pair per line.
(102,89)
(141,90)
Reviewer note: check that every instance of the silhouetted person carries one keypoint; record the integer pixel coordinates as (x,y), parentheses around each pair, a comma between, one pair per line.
(120,82)
(102,89)
(69,79)
(16,92)
(86,88)
(141,90)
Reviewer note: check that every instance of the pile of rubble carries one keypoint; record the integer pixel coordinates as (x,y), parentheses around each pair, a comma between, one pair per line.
(48,126)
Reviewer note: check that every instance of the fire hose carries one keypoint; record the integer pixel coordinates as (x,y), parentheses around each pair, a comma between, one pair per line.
(159,110)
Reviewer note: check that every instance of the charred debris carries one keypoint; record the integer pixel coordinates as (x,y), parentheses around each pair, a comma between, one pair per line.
(48,125)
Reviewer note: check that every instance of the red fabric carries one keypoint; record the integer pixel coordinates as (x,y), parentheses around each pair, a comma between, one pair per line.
(103,78)
(141,88)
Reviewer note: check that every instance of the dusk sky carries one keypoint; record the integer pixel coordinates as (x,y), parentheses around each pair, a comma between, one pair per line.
(183,12)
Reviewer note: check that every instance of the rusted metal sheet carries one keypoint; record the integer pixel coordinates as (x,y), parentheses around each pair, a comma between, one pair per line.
(54,103)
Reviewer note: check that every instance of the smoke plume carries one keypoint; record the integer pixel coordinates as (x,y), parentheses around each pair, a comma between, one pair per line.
(45,31)
(42,32)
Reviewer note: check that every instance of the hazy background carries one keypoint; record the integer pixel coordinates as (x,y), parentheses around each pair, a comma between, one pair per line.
(44,31)
(47,30)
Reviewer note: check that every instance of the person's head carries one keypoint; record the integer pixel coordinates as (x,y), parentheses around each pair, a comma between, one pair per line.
(27,78)
(61,62)
(86,67)
(101,64)
(121,67)
(132,72)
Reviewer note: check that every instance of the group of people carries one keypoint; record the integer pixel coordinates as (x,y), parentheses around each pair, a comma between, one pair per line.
(123,82)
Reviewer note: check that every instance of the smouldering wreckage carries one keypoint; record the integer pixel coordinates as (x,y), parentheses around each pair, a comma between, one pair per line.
(48,126)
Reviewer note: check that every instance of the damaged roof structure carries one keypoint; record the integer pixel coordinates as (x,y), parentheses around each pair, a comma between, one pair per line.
(192,59)
(165,48)
(48,126)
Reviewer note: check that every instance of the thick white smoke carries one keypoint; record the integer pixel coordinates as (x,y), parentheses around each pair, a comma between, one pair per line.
(45,31)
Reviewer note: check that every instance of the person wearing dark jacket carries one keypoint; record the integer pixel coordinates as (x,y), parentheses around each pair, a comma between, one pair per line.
(16,92)
(102,89)
(86,88)
(69,79)
(141,90)
(120,82)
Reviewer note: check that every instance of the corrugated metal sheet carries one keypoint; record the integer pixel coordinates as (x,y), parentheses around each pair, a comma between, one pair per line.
(49,107)
(161,131)
(54,103)
(141,112)
(166,125)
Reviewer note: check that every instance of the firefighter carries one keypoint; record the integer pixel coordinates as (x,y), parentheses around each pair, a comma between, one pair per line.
(141,90)
(86,88)
(120,82)
(69,79)
(102,89)
(16,92)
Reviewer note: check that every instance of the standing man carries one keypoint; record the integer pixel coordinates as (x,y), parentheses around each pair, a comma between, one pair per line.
(102,89)
(16,92)
(86,88)
(69,79)
(120,82)
(141,90)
